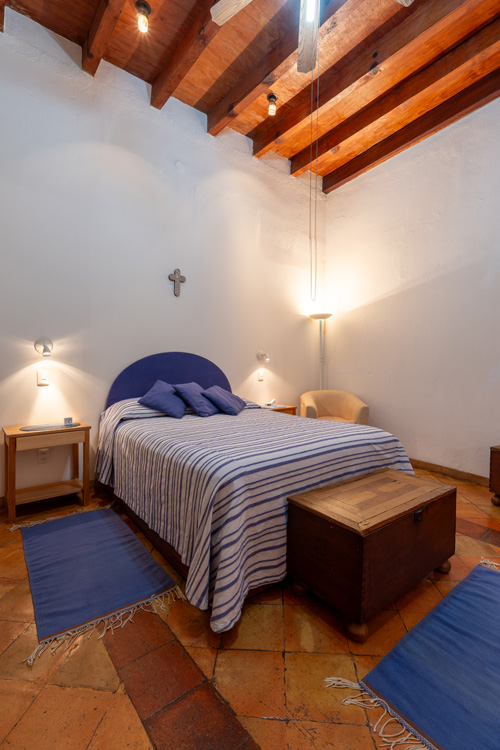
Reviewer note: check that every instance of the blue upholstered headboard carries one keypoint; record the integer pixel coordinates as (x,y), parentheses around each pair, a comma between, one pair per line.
(172,367)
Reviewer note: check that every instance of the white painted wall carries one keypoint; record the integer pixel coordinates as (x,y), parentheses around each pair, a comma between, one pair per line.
(413,258)
(101,197)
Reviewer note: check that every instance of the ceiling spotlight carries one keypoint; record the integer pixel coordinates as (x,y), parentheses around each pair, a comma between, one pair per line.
(143,10)
(272,99)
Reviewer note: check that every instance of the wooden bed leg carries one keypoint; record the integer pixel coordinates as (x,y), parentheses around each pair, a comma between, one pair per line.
(299,589)
(357,631)
(444,567)
(495,499)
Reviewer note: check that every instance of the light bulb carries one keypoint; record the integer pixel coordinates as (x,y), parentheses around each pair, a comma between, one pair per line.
(143,10)
(272,99)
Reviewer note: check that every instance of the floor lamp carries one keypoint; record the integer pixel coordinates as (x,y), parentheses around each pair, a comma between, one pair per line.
(322,317)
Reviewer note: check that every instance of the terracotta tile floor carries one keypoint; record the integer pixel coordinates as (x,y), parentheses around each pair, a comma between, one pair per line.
(168,681)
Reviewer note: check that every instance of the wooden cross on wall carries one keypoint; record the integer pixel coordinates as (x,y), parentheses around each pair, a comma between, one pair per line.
(178,280)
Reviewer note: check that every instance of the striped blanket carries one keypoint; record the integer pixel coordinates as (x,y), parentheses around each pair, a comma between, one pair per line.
(216,488)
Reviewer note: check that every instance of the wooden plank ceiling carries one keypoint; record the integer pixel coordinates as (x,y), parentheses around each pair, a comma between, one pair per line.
(389,72)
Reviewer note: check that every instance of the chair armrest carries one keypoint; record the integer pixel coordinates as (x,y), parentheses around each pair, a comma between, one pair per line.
(356,409)
(308,407)
(363,415)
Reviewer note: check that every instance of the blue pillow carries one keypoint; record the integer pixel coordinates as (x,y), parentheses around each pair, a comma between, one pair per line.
(192,394)
(225,400)
(162,398)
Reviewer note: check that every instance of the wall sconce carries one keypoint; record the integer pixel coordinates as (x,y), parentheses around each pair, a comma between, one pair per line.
(322,317)
(44,347)
(262,356)
(272,99)
(143,10)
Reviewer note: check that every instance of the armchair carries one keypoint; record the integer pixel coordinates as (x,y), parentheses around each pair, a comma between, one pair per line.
(340,406)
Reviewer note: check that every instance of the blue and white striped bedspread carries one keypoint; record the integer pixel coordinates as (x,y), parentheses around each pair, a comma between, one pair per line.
(216,488)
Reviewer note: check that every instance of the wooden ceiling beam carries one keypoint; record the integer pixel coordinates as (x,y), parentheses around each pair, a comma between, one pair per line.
(196,34)
(472,55)
(2,14)
(434,27)
(472,98)
(276,64)
(100,31)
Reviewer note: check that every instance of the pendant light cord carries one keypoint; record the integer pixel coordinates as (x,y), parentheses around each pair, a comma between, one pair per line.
(313,191)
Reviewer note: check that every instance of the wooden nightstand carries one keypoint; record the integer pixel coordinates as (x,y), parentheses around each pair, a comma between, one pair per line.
(283,408)
(16,440)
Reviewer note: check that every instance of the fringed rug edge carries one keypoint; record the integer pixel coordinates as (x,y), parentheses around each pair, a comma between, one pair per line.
(368,699)
(110,622)
(489,564)
(406,738)
(29,524)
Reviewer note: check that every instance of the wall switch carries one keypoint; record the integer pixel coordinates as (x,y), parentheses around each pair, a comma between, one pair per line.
(43,455)
(42,377)
(260,374)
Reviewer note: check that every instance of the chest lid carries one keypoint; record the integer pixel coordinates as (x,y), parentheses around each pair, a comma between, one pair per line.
(371,500)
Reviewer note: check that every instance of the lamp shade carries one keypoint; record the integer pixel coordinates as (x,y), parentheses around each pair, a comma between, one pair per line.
(320,316)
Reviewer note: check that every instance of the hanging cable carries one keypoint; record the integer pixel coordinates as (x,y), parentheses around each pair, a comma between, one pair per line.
(313,192)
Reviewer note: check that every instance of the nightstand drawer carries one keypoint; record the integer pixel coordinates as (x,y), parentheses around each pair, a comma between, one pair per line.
(49,441)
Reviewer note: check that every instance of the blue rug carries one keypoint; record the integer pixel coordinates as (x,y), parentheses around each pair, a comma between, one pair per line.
(89,571)
(442,680)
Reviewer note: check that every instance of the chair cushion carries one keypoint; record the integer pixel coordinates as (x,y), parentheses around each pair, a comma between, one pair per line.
(336,419)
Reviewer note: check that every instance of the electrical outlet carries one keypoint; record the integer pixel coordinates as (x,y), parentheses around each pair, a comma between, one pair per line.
(43,455)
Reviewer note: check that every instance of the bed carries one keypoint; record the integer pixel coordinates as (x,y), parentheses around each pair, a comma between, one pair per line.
(215,488)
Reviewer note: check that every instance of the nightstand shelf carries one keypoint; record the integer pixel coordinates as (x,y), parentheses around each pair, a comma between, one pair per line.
(16,440)
(42,492)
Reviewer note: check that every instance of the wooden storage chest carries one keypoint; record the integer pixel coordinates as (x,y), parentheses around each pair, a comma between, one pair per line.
(362,543)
